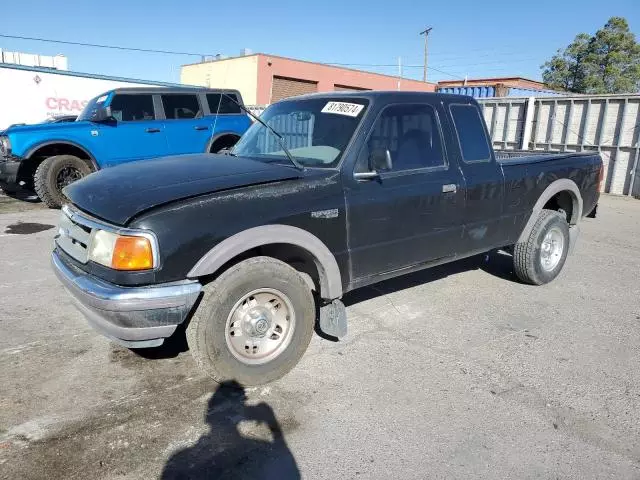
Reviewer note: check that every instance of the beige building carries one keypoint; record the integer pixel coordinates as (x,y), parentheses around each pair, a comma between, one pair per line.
(263,79)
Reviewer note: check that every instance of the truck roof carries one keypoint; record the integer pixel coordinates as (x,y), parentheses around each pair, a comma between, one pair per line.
(383,95)
(161,90)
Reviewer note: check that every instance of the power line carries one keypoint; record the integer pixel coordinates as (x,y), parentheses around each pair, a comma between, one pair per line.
(97,45)
(195,54)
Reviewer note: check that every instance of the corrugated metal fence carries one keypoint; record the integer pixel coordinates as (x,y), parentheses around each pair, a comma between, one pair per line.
(609,124)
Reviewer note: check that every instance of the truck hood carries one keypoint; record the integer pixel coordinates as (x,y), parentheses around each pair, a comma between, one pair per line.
(47,127)
(117,194)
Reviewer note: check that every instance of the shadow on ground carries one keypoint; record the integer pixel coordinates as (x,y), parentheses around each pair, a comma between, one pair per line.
(243,442)
(497,263)
(20,193)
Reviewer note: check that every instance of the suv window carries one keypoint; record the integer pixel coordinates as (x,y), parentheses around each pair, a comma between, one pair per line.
(410,133)
(131,108)
(225,103)
(180,106)
(471,133)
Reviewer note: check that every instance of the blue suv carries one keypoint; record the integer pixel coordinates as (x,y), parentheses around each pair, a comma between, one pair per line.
(119,126)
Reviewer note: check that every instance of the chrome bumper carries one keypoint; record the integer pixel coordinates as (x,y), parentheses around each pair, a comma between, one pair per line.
(136,317)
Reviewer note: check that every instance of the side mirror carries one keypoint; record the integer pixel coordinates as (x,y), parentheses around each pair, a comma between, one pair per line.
(380,160)
(101,114)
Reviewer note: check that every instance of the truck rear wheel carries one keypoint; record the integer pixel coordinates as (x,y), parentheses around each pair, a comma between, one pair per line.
(540,258)
(253,323)
(55,173)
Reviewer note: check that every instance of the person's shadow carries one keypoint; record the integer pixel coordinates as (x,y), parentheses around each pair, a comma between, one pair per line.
(224,452)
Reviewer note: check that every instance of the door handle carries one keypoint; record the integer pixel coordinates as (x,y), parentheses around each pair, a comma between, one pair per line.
(201,127)
(449,188)
(152,130)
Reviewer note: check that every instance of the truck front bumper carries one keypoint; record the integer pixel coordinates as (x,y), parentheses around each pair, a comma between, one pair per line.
(9,170)
(135,317)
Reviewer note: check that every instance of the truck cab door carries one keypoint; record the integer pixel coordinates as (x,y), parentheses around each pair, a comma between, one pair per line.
(188,129)
(410,213)
(134,133)
(485,223)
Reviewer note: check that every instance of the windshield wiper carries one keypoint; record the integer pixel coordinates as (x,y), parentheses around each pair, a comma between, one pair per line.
(291,158)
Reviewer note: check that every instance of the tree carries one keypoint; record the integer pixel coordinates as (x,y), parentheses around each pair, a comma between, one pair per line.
(607,62)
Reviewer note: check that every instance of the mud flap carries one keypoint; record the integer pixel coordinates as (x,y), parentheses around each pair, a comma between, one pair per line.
(333,319)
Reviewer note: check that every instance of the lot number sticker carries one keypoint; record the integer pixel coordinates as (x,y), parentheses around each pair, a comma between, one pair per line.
(343,108)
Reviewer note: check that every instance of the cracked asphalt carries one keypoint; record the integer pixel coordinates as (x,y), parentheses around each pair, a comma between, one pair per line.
(454,372)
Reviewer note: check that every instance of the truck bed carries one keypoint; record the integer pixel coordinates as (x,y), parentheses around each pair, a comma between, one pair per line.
(530,156)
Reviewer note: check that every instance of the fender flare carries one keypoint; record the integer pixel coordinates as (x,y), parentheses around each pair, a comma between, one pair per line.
(219,135)
(558,186)
(328,271)
(37,147)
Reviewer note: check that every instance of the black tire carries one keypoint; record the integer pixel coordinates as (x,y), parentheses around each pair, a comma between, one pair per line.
(528,255)
(222,143)
(46,179)
(206,333)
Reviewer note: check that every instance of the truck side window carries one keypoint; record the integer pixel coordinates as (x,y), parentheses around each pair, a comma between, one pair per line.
(131,108)
(223,102)
(411,134)
(179,106)
(471,133)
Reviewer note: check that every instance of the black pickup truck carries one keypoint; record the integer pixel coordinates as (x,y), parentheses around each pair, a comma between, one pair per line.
(324,194)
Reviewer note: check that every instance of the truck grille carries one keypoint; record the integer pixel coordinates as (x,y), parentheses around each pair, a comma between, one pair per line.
(74,234)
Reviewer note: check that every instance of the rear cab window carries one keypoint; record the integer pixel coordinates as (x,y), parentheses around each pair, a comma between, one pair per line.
(180,106)
(132,108)
(471,133)
(222,104)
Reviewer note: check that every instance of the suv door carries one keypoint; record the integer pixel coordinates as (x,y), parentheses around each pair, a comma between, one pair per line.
(188,130)
(412,213)
(486,227)
(135,132)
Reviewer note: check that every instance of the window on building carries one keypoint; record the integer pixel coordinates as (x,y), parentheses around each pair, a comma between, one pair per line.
(131,108)
(410,133)
(180,106)
(219,103)
(471,133)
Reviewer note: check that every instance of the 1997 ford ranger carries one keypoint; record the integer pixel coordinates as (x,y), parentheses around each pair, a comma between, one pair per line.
(324,194)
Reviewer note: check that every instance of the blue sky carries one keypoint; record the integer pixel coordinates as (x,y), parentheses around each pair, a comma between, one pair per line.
(471,38)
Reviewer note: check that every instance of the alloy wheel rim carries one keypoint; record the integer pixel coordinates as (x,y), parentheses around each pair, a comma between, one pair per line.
(551,249)
(260,326)
(67,175)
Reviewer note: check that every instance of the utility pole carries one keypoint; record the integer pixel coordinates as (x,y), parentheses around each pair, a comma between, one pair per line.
(399,71)
(426,35)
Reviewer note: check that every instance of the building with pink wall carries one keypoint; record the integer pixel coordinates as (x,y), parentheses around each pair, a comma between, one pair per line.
(263,79)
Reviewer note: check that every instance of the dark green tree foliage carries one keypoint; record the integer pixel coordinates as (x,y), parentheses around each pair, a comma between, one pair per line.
(607,62)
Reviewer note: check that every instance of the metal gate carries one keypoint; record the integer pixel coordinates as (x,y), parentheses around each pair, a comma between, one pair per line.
(609,124)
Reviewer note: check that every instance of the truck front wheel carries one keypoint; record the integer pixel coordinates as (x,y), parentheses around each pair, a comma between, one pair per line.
(540,258)
(55,173)
(253,323)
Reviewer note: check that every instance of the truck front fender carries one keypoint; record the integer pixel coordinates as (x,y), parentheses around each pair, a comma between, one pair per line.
(562,185)
(34,148)
(328,271)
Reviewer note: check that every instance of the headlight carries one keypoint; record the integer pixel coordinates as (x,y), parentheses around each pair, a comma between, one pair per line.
(5,146)
(121,252)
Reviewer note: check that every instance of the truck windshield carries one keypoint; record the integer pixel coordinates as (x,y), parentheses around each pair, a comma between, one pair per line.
(89,109)
(316,131)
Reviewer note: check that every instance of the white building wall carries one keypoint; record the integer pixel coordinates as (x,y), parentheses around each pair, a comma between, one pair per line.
(32,96)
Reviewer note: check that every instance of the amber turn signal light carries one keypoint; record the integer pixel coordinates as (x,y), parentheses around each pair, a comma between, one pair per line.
(132,253)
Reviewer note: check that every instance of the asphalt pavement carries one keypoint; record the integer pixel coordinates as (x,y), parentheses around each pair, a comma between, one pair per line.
(454,372)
